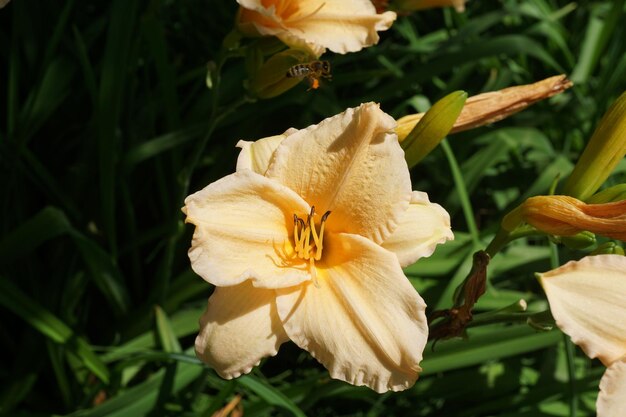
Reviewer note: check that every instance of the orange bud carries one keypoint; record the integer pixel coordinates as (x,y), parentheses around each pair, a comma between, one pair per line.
(566,216)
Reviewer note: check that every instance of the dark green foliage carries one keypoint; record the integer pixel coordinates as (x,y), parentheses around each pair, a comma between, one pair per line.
(103,106)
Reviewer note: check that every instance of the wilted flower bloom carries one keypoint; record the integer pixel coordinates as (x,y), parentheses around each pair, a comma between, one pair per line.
(562,215)
(494,106)
(587,300)
(339,25)
(305,242)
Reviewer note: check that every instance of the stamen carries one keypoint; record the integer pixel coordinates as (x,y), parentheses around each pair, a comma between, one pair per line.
(308,242)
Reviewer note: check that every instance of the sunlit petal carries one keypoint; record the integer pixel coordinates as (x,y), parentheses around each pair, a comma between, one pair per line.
(239,328)
(363,320)
(352,165)
(339,25)
(244,227)
(422,227)
(612,397)
(588,300)
(256,155)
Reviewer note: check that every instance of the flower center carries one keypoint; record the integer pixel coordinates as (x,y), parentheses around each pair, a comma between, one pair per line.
(308,242)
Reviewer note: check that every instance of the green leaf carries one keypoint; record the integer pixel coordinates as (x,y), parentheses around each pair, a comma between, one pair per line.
(168,338)
(270,394)
(50,326)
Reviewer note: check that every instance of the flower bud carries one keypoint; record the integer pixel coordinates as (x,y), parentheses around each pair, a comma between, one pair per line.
(580,240)
(270,79)
(566,216)
(433,127)
(608,248)
(494,106)
(604,151)
(615,193)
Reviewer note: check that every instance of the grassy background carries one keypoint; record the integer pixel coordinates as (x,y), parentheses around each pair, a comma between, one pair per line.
(103,104)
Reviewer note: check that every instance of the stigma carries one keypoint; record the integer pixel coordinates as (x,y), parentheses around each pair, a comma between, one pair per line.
(309,238)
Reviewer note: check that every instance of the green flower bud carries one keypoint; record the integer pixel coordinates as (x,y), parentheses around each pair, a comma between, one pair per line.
(433,127)
(581,240)
(604,151)
(611,194)
(608,248)
(270,79)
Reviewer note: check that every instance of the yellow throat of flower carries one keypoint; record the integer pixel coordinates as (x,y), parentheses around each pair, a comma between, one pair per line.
(308,242)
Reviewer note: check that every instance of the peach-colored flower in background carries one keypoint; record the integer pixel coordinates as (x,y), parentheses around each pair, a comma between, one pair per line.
(306,241)
(588,301)
(339,25)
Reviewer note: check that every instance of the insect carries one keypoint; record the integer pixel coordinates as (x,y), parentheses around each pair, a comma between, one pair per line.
(312,71)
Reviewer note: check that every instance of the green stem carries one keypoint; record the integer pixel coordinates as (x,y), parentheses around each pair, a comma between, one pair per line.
(462,190)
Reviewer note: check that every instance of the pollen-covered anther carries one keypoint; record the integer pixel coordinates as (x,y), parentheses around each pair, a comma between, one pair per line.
(308,241)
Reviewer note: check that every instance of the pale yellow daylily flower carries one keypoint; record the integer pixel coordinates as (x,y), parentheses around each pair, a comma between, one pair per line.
(588,301)
(339,25)
(306,241)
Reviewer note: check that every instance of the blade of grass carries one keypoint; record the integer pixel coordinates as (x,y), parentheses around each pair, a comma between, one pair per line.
(50,326)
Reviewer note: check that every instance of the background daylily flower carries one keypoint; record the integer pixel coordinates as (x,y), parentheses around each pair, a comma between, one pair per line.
(306,241)
(587,301)
(339,25)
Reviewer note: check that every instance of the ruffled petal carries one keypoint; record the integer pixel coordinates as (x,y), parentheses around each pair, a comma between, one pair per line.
(422,227)
(342,26)
(239,328)
(588,300)
(362,319)
(257,155)
(244,230)
(352,165)
(339,25)
(612,398)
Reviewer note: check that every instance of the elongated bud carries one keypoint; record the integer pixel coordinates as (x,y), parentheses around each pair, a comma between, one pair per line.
(433,127)
(412,5)
(491,107)
(615,193)
(270,78)
(604,151)
(566,216)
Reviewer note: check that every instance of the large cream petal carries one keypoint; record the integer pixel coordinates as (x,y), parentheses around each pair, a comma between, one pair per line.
(239,328)
(242,223)
(422,227)
(612,397)
(352,165)
(362,319)
(588,300)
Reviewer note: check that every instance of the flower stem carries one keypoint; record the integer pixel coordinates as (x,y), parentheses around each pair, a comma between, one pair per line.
(462,190)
